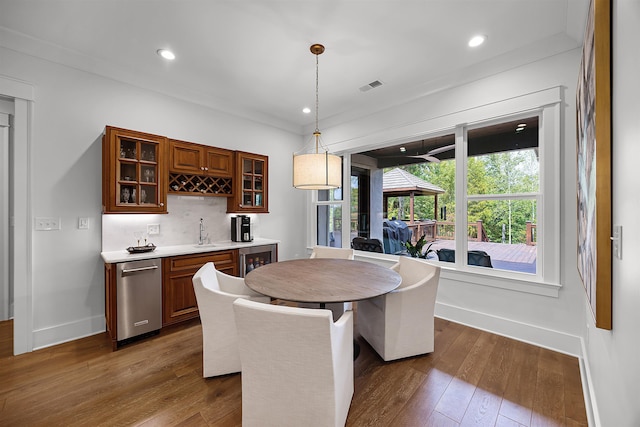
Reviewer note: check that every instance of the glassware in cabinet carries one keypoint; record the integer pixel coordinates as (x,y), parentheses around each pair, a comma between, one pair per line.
(133,172)
(250,192)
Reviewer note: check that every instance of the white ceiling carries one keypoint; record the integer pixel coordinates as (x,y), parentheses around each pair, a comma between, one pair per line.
(251,57)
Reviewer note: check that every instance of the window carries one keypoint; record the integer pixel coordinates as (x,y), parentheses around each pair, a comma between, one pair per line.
(482,190)
(501,177)
(503,186)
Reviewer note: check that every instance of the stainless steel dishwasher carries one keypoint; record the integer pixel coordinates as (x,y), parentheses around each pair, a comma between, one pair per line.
(139,288)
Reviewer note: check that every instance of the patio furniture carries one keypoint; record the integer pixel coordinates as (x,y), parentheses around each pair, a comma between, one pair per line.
(215,294)
(297,365)
(480,258)
(366,244)
(400,323)
(394,235)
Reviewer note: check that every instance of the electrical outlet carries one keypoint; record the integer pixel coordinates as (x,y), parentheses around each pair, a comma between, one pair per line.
(83,223)
(47,223)
(153,229)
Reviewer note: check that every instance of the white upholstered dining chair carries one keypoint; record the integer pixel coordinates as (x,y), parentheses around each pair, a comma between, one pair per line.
(215,294)
(336,253)
(400,324)
(329,252)
(297,365)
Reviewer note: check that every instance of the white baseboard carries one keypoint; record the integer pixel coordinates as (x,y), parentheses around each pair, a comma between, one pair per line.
(593,415)
(59,334)
(532,334)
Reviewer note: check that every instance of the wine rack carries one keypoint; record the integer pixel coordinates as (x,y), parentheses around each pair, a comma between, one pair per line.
(200,185)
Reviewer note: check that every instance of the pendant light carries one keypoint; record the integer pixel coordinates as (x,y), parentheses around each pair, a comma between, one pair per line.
(318,170)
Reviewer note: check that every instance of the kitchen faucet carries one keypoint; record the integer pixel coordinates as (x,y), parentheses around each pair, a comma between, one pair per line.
(201,237)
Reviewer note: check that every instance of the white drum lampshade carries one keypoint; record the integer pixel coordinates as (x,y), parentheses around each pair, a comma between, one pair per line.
(317,171)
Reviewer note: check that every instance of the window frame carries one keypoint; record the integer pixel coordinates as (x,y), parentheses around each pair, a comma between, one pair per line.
(463,198)
(312,230)
(547,104)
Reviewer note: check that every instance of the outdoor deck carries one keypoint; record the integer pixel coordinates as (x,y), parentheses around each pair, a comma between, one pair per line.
(517,257)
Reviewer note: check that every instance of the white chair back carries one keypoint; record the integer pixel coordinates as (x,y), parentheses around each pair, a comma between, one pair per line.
(413,270)
(297,365)
(219,340)
(400,324)
(329,252)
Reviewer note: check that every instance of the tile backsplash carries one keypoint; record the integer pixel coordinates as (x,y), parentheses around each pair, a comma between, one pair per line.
(179,227)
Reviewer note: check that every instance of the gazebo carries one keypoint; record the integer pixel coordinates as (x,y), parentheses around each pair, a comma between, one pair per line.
(400,183)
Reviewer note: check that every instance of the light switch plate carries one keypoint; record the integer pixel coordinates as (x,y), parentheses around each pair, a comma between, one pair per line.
(153,229)
(616,241)
(83,223)
(47,223)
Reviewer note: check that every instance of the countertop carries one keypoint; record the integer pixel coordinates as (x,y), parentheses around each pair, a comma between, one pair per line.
(165,251)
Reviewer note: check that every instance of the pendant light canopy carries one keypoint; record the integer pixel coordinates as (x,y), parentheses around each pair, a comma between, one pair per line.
(318,170)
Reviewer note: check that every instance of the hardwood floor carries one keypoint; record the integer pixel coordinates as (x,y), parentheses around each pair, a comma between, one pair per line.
(6,339)
(472,378)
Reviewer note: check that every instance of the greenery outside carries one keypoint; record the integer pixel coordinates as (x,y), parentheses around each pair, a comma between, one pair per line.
(503,173)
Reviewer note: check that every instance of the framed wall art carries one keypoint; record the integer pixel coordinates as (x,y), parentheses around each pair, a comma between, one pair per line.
(593,156)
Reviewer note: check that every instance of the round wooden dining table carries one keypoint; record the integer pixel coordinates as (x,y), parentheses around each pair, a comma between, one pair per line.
(322,280)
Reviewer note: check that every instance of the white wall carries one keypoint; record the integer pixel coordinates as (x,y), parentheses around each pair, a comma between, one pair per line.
(613,356)
(71,110)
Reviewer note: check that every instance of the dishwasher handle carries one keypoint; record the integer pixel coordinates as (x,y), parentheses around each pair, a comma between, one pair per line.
(135,270)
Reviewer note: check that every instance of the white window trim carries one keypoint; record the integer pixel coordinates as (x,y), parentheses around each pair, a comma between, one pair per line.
(312,230)
(462,199)
(548,103)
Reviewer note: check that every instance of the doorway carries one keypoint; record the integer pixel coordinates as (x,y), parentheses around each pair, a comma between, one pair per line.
(6,287)
(360,203)
(20,95)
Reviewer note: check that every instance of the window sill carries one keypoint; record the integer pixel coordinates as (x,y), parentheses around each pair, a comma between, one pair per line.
(475,275)
(501,279)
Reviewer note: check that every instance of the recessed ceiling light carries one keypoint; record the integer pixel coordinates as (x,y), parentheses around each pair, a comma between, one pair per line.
(166,54)
(477,40)
(306,110)
(402,149)
(522,125)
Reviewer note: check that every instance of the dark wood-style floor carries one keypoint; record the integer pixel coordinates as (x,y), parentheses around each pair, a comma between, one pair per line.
(472,378)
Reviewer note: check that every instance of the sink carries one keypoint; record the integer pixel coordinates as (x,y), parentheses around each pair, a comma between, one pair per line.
(205,245)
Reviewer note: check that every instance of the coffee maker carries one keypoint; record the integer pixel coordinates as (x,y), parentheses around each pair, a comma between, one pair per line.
(241,229)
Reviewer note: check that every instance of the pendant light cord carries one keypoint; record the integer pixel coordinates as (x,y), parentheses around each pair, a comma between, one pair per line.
(317,102)
(317,131)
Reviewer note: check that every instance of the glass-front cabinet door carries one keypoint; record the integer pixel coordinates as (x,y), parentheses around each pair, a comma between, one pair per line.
(133,172)
(251,184)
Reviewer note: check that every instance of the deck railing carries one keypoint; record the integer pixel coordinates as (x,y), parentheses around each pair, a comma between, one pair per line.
(532,234)
(445,230)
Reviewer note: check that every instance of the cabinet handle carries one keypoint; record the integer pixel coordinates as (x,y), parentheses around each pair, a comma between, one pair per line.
(201,168)
(161,204)
(206,168)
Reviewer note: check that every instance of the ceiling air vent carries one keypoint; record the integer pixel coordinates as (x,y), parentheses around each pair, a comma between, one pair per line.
(372,85)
